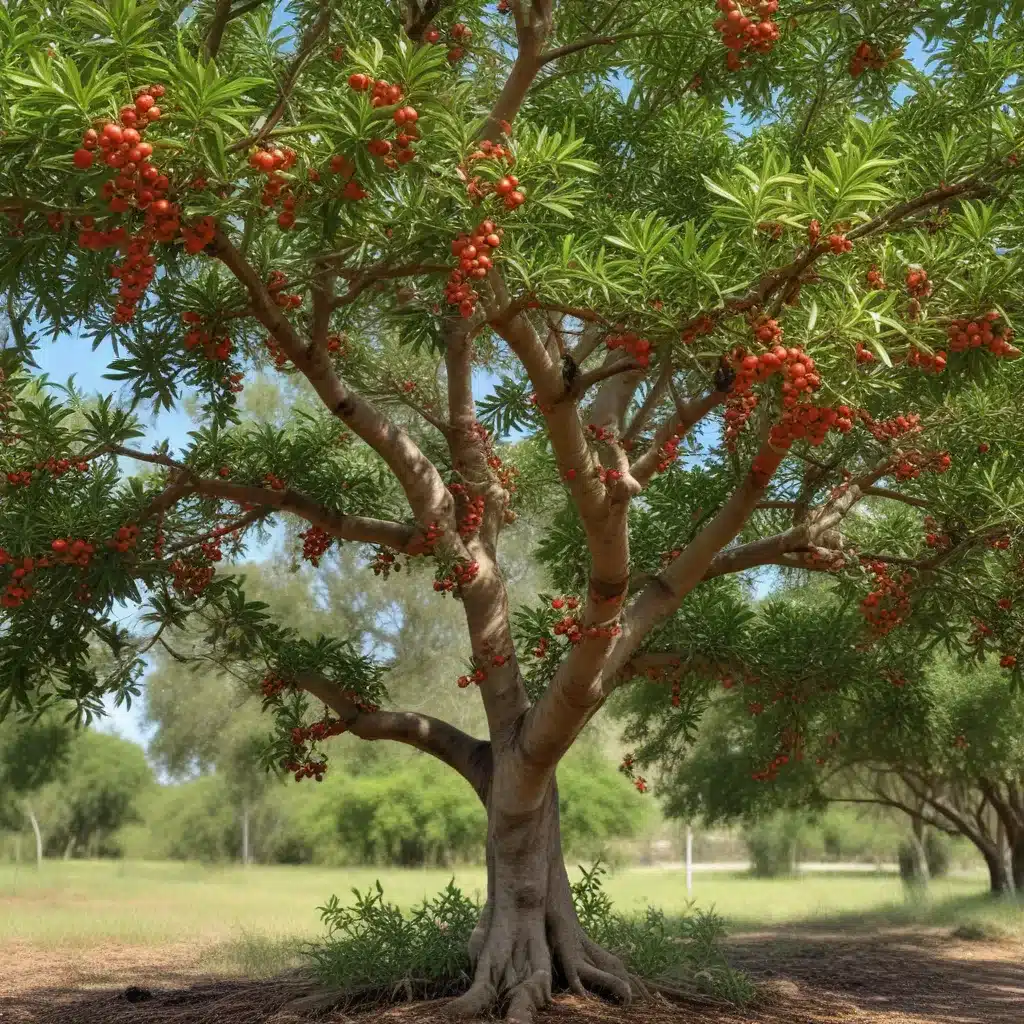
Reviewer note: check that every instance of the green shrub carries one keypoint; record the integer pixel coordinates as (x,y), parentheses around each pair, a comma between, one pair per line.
(774,844)
(373,945)
(938,851)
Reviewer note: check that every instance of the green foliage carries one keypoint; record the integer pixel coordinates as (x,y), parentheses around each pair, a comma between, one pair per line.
(373,945)
(774,845)
(98,791)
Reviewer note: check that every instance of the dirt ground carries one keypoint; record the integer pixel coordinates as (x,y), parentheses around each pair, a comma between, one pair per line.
(890,977)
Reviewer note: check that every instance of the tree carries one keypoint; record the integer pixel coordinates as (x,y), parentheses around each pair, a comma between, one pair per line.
(544,202)
(31,755)
(95,794)
(942,747)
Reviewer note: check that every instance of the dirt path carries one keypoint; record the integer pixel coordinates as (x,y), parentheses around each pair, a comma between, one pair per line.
(892,977)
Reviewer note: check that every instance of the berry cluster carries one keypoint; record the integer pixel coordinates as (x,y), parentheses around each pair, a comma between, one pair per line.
(56,467)
(314,543)
(929,362)
(983,331)
(135,272)
(935,538)
(305,769)
(888,430)
(384,94)
(199,235)
(911,464)
(272,684)
(888,604)
(274,482)
(276,353)
(18,587)
(875,280)
(810,421)
(999,543)
(702,326)
(507,185)
(669,452)
(638,348)
(798,367)
(839,243)
(477,676)
(474,254)
(866,56)
(124,540)
(213,348)
(864,354)
(276,283)
(462,574)
(270,161)
(740,32)
(383,562)
(918,285)
(190,578)
(1008,661)
(122,144)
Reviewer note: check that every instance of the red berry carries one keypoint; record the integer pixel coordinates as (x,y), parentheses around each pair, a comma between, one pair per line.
(82,159)
(358,82)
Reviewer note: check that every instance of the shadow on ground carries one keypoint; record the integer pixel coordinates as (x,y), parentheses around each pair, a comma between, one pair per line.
(810,977)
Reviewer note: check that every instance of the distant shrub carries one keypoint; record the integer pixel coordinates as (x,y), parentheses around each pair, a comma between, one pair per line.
(774,845)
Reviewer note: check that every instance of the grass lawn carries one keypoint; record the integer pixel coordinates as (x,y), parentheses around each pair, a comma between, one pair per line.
(85,903)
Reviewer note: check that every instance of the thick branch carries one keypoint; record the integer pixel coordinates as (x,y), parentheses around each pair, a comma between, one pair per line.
(221,16)
(470,757)
(352,528)
(419,478)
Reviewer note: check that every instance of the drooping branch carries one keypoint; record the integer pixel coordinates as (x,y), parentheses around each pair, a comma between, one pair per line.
(351,528)
(470,757)
(419,478)
(221,16)
(359,281)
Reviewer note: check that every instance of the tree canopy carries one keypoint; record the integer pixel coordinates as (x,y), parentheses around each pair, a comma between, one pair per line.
(711,292)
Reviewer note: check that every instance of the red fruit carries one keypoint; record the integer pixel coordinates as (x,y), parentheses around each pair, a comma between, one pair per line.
(358,82)
(60,546)
(82,159)
(431,35)
(154,113)
(144,102)
(558,603)
(982,448)
(90,139)
(493,241)
(262,161)
(113,134)
(128,116)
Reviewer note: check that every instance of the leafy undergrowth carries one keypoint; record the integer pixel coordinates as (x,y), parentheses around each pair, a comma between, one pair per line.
(373,946)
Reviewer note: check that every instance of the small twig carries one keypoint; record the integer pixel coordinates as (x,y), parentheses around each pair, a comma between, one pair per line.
(884,492)
(310,39)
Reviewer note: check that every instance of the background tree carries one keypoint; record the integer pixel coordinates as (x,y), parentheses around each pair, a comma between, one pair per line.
(822,309)
(96,793)
(31,755)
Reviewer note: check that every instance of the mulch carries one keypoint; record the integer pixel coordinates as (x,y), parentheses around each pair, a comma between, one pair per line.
(894,977)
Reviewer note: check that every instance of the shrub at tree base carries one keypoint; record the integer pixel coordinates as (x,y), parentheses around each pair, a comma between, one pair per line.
(372,949)
(716,352)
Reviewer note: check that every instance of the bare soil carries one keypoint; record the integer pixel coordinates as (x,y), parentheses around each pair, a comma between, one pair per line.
(887,977)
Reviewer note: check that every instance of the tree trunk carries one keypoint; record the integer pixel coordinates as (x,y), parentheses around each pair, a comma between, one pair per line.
(528,929)
(920,857)
(39,836)
(1000,881)
(245,833)
(1017,861)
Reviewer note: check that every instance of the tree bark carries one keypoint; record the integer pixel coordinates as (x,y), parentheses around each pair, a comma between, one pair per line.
(245,833)
(39,836)
(920,857)
(1017,862)
(1000,881)
(528,936)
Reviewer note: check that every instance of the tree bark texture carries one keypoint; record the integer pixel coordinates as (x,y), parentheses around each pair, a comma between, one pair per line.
(528,937)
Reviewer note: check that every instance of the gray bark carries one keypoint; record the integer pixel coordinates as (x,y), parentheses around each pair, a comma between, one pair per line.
(39,836)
